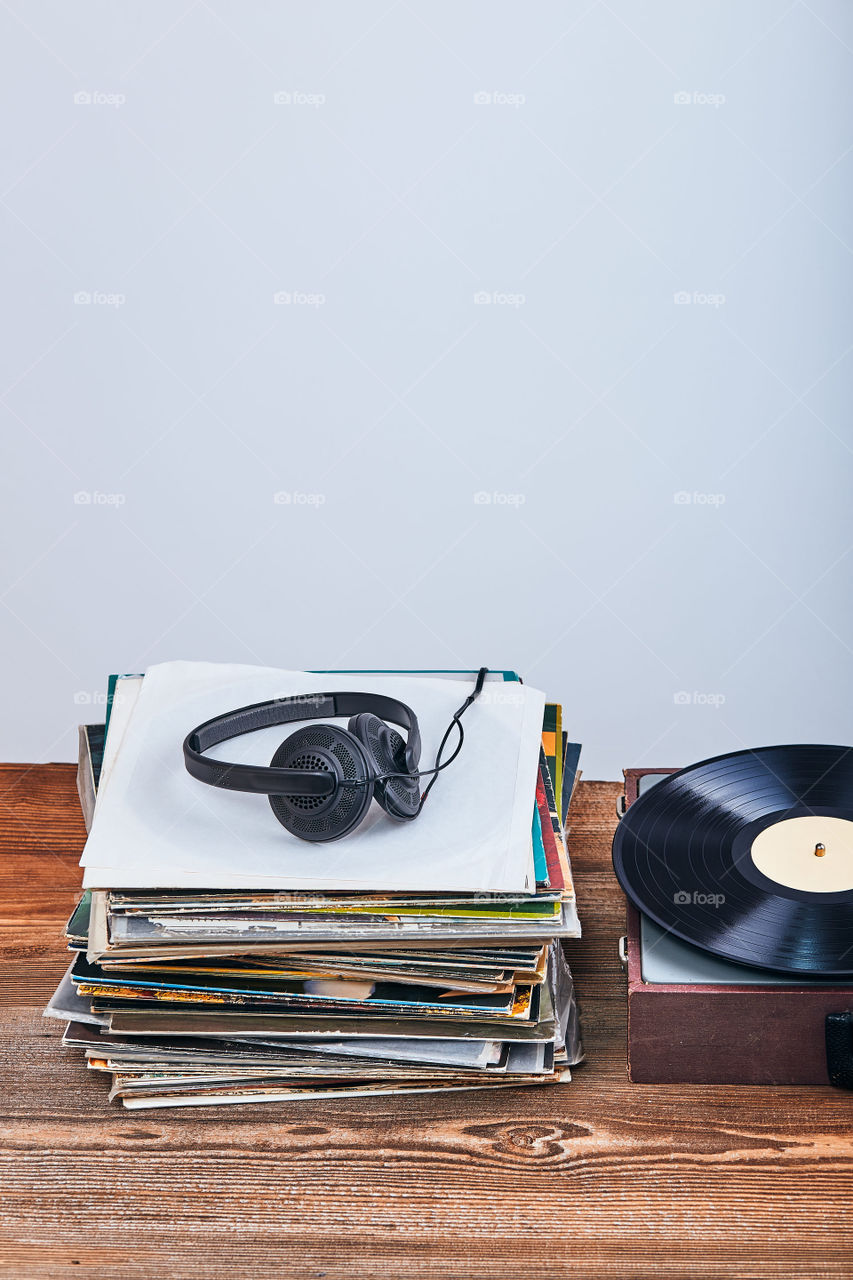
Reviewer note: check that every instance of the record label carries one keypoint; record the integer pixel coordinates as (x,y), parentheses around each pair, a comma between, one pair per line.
(809,853)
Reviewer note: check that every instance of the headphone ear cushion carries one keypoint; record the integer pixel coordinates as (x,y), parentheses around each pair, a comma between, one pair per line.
(386,750)
(326,748)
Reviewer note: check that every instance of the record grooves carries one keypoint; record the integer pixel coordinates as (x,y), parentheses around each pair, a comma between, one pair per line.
(687,855)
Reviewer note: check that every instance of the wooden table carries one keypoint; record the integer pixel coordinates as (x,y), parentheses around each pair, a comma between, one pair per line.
(595,1178)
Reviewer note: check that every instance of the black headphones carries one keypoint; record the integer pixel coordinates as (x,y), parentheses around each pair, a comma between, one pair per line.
(322,778)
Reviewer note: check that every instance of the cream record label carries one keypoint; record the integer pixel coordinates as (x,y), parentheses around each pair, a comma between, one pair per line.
(811,853)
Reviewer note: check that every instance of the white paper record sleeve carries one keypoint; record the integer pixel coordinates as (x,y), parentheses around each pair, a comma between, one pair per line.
(156,827)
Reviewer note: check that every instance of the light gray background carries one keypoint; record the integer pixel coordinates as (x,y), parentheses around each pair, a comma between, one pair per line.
(581,165)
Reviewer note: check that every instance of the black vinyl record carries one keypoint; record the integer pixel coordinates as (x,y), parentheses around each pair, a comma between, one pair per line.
(683,853)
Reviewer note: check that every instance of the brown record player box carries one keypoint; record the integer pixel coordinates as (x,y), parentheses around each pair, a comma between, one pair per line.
(724,1033)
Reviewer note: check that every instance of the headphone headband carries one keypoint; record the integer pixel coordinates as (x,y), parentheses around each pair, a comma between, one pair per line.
(268,780)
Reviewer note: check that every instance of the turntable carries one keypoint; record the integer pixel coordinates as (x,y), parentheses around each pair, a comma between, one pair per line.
(739,950)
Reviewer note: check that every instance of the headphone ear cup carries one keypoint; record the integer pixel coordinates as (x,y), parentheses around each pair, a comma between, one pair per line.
(386,751)
(324,747)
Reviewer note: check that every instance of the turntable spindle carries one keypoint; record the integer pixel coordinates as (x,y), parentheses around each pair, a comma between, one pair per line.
(819,850)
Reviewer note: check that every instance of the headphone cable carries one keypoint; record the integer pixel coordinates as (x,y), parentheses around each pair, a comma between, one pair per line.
(438,766)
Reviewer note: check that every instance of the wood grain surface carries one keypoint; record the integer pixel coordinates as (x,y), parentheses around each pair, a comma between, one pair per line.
(595,1178)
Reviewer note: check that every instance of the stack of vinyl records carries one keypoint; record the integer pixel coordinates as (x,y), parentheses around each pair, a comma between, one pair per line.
(219,958)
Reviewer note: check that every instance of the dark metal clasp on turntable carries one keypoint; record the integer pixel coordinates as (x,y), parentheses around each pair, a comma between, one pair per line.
(839,1049)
